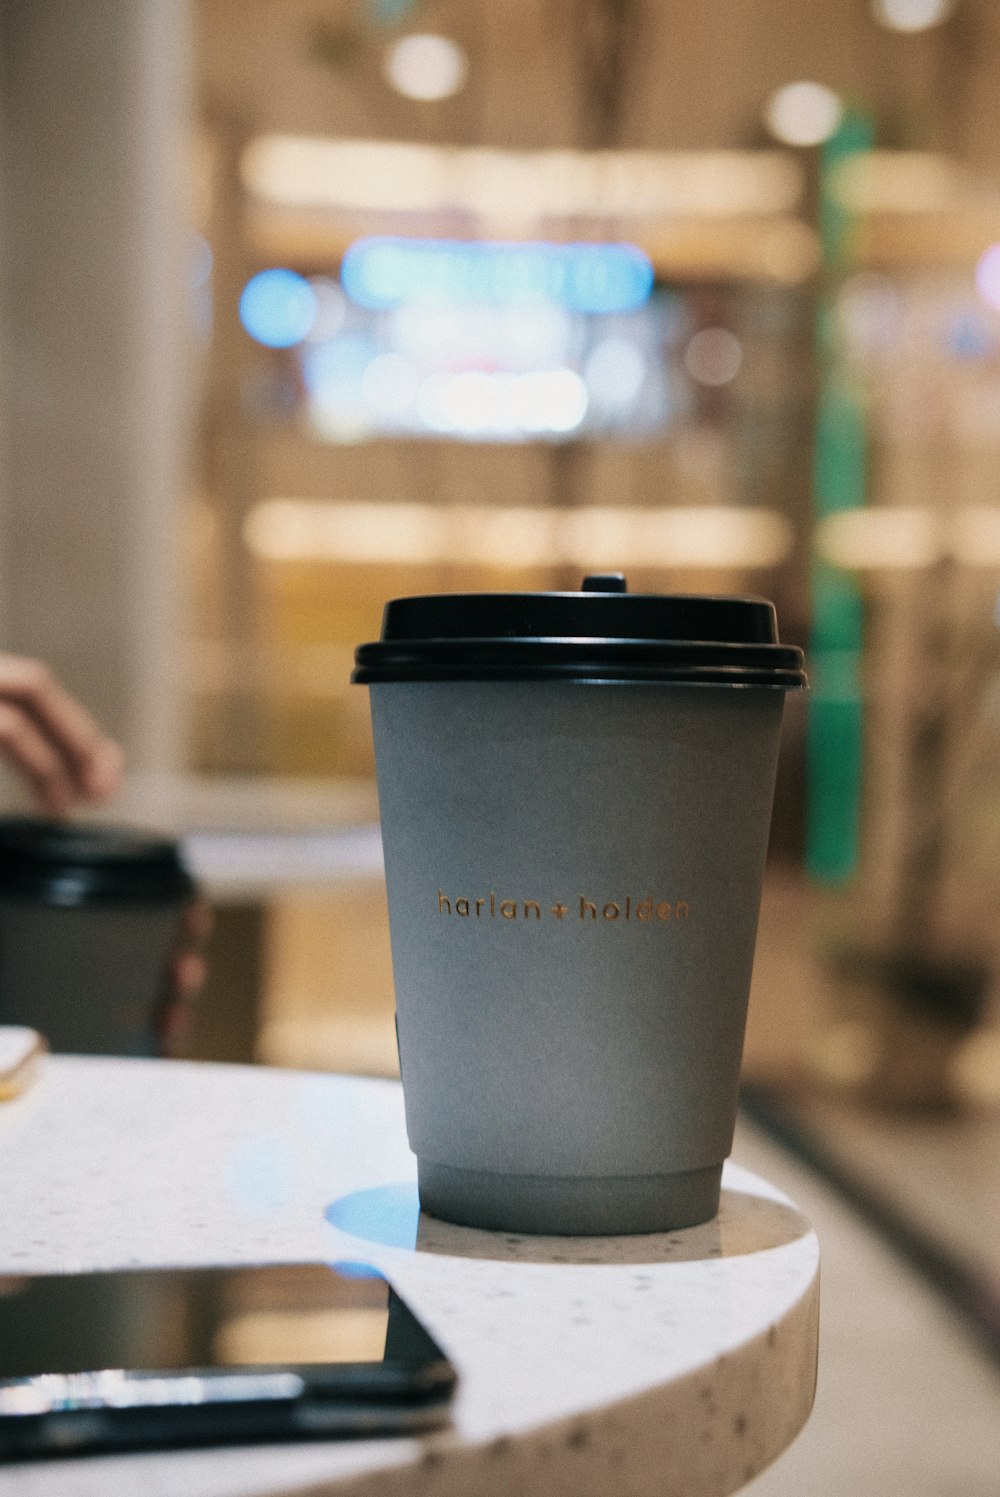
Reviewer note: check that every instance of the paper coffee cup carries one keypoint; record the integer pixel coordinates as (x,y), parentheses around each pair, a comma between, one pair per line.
(575,792)
(88,921)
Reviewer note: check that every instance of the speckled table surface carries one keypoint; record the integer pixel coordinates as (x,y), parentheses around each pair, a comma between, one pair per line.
(667,1364)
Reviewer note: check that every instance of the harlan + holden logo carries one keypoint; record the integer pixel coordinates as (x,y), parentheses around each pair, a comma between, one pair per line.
(647,911)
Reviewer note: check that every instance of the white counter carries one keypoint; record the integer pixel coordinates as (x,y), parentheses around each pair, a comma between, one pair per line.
(680,1363)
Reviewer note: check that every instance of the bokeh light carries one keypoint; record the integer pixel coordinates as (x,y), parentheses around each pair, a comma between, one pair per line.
(476,371)
(550,400)
(390,384)
(872,314)
(803,114)
(911,15)
(533,337)
(969,335)
(474,403)
(988,275)
(714,356)
(614,371)
(383,272)
(425,66)
(331,309)
(278,308)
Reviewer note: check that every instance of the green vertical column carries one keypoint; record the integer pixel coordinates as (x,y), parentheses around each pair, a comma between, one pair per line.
(835,730)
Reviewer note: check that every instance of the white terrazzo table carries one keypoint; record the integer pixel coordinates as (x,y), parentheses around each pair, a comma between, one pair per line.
(669,1364)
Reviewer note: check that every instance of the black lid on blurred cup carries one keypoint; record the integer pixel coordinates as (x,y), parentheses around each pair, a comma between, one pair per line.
(602,633)
(73,864)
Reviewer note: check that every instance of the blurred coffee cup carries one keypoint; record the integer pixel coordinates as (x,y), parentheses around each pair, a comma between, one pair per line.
(89,918)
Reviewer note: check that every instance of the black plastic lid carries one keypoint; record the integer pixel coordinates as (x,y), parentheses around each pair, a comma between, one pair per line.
(70,864)
(602,633)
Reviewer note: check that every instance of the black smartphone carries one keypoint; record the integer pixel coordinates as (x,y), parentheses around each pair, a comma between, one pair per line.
(158,1357)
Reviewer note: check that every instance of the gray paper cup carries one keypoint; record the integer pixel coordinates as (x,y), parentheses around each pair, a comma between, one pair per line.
(575,794)
(88,921)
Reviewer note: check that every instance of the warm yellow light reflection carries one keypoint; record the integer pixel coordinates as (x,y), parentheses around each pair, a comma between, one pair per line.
(900,182)
(697,536)
(909,539)
(896,539)
(309,171)
(367,175)
(976,537)
(593,536)
(311,529)
(514,536)
(355,1333)
(789,251)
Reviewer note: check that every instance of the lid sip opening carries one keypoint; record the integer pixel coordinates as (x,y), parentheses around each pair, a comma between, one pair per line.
(605,582)
(601,633)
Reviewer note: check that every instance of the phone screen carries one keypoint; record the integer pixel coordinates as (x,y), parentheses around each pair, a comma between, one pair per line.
(144,1356)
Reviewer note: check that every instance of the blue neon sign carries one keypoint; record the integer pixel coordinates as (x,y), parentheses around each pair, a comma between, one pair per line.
(381,273)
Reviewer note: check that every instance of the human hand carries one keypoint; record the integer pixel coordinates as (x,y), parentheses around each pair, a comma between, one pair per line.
(53,740)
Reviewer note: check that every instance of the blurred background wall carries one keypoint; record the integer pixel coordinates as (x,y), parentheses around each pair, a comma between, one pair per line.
(305,304)
(96,122)
(298,315)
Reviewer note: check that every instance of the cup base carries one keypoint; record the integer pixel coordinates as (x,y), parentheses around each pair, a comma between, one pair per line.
(566,1205)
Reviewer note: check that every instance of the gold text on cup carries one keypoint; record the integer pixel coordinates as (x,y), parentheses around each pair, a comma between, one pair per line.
(646,910)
